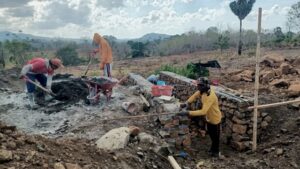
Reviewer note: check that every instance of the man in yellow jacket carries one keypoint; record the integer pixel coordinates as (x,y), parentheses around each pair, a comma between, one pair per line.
(105,52)
(210,109)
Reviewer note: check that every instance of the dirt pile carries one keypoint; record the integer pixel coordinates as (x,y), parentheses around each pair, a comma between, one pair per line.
(70,90)
(32,152)
(276,74)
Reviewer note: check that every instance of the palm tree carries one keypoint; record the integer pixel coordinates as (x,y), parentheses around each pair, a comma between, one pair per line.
(241,8)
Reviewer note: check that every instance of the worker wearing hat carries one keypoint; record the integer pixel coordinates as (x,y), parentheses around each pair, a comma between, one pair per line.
(37,69)
(105,52)
(210,109)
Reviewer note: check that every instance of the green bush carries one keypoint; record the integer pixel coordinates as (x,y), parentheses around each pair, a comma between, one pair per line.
(68,55)
(189,71)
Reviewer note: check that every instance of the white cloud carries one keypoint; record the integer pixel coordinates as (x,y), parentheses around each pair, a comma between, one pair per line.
(269,13)
(187,1)
(124,18)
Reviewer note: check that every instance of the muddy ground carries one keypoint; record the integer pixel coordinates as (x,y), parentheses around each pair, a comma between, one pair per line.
(65,132)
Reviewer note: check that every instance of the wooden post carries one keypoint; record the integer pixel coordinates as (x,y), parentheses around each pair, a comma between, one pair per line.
(264,106)
(173,162)
(256,87)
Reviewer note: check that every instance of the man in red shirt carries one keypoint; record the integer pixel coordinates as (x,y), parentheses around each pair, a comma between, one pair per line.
(37,69)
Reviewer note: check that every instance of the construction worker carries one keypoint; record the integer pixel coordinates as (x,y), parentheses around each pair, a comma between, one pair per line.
(105,52)
(37,69)
(210,109)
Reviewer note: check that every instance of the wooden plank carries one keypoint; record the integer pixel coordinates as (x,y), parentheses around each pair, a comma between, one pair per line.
(145,100)
(274,104)
(173,162)
(256,87)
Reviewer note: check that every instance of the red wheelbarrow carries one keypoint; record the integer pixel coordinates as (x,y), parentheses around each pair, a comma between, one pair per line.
(98,85)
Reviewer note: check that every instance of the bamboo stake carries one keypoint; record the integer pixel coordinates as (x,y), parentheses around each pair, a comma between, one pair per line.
(274,104)
(139,116)
(256,87)
(173,162)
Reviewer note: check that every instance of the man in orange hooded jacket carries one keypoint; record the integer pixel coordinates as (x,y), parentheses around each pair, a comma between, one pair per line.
(105,54)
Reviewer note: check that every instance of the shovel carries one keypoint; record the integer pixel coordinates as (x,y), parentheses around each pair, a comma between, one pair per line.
(88,66)
(41,87)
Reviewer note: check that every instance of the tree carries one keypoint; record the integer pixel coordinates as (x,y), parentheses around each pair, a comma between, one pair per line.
(2,60)
(137,49)
(18,51)
(293,20)
(68,55)
(241,8)
(279,36)
(223,42)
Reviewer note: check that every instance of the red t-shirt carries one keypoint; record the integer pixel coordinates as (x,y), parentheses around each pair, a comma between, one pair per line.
(40,66)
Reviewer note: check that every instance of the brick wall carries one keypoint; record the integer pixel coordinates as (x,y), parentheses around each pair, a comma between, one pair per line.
(237,122)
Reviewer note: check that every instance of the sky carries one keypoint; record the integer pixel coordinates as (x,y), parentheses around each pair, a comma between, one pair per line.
(132,18)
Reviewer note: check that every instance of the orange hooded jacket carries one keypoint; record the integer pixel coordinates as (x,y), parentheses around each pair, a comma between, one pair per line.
(104,50)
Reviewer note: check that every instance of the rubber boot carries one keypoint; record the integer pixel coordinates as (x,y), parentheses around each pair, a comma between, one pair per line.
(32,104)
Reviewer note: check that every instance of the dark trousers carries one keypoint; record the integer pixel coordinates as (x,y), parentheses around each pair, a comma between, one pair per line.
(214,134)
(41,78)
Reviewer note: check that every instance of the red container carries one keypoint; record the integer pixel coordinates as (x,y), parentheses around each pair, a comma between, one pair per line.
(161,90)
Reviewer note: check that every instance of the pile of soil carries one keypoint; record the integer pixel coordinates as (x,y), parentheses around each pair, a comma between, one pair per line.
(31,152)
(71,90)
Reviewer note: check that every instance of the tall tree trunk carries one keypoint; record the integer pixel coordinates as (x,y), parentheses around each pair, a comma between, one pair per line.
(240,41)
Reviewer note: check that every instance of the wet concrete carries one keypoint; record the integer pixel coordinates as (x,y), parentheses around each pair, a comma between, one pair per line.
(73,120)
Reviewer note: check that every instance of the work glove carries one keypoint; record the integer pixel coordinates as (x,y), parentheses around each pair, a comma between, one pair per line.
(183,113)
(183,105)
(22,76)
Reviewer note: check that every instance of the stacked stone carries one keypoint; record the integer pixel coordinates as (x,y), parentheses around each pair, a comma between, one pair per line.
(145,86)
(238,120)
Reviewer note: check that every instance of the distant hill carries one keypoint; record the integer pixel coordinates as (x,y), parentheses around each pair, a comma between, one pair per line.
(152,37)
(5,35)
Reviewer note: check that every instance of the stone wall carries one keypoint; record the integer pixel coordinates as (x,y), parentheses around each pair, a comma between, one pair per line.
(237,122)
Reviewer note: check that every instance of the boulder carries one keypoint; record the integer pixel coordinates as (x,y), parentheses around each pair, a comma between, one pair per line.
(72,166)
(280,83)
(58,166)
(134,131)
(278,72)
(294,90)
(272,60)
(5,156)
(114,139)
(267,76)
(146,138)
(296,62)
(285,68)
(240,129)
(240,146)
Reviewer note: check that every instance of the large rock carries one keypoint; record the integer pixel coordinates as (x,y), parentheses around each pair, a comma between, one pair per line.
(273,60)
(246,75)
(297,61)
(5,156)
(280,83)
(240,129)
(114,139)
(72,166)
(146,138)
(267,76)
(285,68)
(294,90)
(58,166)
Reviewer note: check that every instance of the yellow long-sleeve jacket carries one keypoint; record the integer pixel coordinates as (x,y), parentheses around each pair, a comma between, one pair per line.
(104,50)
(210,106)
